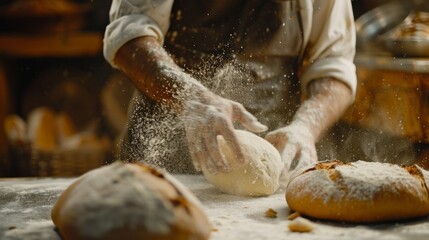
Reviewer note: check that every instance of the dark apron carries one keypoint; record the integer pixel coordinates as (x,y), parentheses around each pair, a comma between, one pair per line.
(246,51)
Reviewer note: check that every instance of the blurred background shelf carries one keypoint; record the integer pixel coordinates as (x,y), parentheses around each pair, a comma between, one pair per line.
(55,45)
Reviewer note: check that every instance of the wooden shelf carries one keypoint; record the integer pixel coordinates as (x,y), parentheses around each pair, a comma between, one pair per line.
(55,45)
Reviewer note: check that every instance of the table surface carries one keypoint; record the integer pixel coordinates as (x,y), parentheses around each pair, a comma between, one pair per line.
(25,206)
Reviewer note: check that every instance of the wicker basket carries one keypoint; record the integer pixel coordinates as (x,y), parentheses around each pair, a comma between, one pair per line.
(58,163)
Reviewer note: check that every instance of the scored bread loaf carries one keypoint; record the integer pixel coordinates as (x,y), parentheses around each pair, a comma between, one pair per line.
(360,191)
(129,201)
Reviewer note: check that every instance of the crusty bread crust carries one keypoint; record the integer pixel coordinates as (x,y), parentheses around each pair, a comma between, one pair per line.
(129,201)
(360,191)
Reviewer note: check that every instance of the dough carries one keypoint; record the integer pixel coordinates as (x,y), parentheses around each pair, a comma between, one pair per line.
(258,177)
(129,201)
(360,191)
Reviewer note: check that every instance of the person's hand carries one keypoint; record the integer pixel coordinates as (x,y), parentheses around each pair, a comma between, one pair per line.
(209,116)
(296,145)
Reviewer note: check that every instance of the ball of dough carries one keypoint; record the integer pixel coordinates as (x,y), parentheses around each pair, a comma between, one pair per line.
(259,176)
(129,201)
(360,191)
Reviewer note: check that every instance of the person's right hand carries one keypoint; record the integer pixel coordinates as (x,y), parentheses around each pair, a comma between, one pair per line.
(209,116)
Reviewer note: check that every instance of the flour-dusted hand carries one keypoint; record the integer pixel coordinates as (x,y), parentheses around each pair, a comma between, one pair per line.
(296,142)
(296,145)
(211,115)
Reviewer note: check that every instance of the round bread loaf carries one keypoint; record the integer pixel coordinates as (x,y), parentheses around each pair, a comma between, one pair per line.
(360,191)
(129,201)
(258,176)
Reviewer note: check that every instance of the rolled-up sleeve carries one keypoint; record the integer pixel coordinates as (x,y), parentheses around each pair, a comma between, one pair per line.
(330,49)
(130,19)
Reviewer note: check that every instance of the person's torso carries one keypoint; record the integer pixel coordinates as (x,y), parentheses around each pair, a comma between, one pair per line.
(246,51)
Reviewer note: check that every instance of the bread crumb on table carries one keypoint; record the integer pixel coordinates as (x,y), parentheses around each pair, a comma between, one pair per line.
(301,224)
(293,216)
(270,213)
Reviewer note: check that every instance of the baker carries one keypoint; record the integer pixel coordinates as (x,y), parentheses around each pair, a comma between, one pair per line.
(282,69)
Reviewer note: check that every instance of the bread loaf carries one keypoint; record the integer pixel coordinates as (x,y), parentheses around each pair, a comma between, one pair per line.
(42,130)
(129,201)
(15,129)
(360,191)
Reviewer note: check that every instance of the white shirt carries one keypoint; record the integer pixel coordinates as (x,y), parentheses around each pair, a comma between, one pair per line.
(328,47)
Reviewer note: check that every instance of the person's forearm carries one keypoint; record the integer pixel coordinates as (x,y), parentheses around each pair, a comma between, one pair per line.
(154,72)
(328,100)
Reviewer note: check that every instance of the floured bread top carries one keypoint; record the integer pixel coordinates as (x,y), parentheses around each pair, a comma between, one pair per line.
(125,195)
(116,194)
(335,181)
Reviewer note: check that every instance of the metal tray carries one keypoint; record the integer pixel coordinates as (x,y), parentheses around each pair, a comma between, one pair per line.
(378,21)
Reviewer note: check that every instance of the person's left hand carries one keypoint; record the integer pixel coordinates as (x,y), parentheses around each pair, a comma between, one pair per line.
(296,145)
